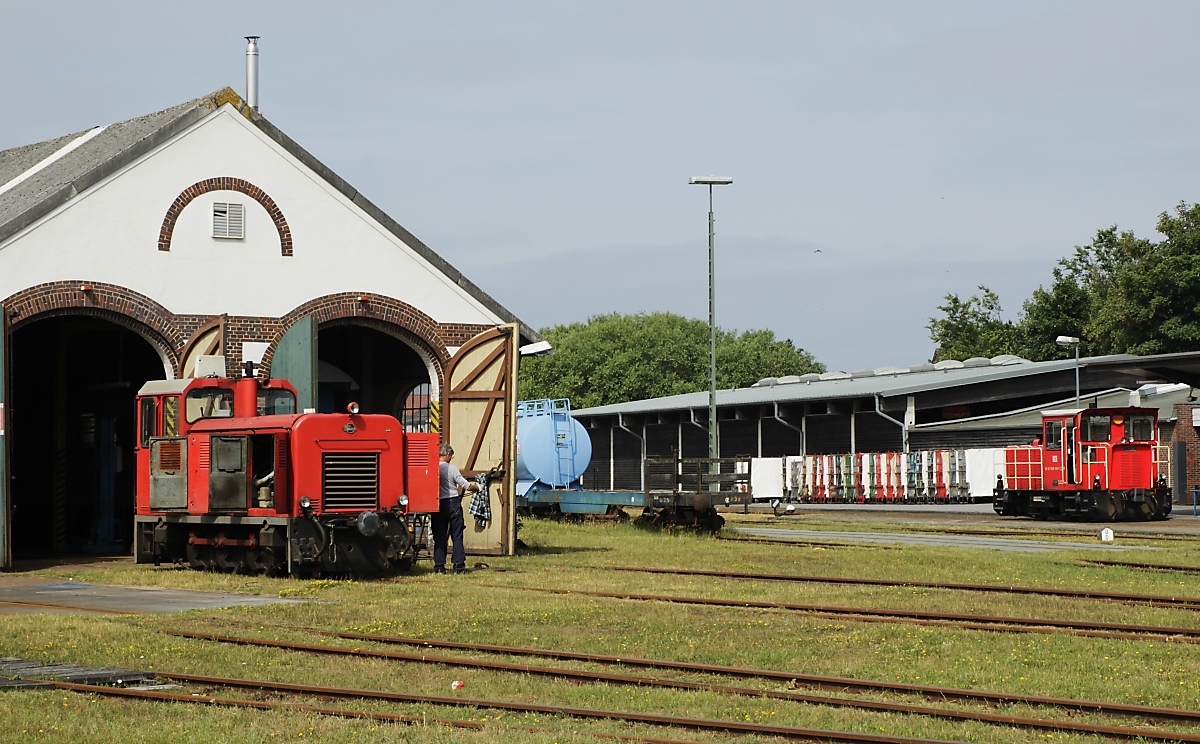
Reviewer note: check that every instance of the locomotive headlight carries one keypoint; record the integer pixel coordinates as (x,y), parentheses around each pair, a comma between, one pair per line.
(403,500)
(352,408)
(305,502)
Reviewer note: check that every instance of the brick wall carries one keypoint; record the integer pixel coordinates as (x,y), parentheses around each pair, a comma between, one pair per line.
(1183,431)
(171,334)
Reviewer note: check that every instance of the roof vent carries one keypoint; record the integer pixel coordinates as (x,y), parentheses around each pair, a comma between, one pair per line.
(810,377)
(948,364)
(863,373)
(789,379)
(977,362)
(1007,359)
(890,371)
(766,382)
(252,71)
(835,376)
(922,367)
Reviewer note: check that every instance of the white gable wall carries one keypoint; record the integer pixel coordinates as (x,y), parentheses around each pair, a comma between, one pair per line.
(110,234)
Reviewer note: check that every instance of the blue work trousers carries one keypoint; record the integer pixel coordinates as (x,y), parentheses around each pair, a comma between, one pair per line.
(448,522)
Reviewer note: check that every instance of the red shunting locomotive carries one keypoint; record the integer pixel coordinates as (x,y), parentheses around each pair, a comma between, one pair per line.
(1095,464)
(231,478)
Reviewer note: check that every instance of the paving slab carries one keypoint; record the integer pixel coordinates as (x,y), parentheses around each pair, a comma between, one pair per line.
(909,538)
(79,597)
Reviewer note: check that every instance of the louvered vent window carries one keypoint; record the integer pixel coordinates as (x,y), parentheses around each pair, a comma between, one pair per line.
(229,220)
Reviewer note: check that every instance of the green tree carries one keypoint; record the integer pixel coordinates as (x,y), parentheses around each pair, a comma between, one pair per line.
(1122,294)
(616,358)
(972,328)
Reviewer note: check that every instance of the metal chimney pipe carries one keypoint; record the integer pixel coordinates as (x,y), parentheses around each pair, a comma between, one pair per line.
(252,71)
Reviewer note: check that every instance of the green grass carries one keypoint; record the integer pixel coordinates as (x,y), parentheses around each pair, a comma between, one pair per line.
(490,607)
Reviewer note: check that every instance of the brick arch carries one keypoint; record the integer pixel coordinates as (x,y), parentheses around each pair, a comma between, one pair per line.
(116,304)
(380,312)
(225,183)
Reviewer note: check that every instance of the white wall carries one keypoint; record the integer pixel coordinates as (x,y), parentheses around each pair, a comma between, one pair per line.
(110,234)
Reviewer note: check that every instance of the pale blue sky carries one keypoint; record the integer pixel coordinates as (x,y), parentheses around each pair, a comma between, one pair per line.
(544,147)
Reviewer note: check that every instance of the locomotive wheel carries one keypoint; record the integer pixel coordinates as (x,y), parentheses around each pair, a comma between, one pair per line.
(1108,509)
(230,560)
(261,562)
(199,557)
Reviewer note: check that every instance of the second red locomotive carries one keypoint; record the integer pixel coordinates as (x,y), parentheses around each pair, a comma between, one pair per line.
(1097,464)
(231,477)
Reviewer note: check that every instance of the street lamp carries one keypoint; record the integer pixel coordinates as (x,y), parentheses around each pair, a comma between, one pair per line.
(1072,341)
(713,450)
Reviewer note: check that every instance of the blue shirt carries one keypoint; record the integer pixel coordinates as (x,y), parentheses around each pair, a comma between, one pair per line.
(452,480)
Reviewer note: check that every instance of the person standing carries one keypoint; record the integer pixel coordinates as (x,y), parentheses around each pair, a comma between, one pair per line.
(448,521)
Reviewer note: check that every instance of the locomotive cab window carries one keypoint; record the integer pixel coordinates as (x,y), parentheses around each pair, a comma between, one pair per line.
(209,403)
(1096,428)
(1140,428)
(1054,430)
(275,402)
(147,420)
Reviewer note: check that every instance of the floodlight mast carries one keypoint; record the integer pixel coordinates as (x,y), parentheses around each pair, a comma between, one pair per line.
(713,446)
(1065,341)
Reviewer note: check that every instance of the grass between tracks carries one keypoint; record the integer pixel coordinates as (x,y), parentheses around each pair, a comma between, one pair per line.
(488,607)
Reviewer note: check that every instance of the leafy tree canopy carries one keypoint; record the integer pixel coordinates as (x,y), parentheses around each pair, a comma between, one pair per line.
(1120,294)
(616,358)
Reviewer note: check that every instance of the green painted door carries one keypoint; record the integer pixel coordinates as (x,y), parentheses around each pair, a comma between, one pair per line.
(5,509)
(295,360)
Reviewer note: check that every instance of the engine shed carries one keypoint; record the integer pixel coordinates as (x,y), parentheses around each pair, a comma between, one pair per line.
(959,405)
(135,251)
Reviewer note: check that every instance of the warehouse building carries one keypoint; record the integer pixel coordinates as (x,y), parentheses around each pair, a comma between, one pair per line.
(130,251)
(976,403)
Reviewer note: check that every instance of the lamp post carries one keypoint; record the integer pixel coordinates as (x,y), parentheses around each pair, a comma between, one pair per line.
(1072,341)
(713,449)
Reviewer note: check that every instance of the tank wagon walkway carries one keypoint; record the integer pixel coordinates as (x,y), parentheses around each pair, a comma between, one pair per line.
(956,541)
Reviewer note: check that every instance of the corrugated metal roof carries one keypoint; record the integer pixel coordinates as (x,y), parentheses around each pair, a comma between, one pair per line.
(1164,401)
(886,385)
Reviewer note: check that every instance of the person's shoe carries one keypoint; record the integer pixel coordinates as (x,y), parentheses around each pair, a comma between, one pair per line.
(461,570)
(439,569)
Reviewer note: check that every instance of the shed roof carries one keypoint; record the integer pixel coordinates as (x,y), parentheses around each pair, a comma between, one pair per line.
(37,179)
(890,383)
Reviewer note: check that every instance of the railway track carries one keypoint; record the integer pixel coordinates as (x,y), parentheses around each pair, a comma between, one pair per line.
(1146,566)
(696,724)
(945,619)
(1121,732)
(809,543)
(1187,603)
(1076,534)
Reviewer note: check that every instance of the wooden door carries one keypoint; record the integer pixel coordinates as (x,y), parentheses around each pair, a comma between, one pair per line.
(480,423)
(295,360)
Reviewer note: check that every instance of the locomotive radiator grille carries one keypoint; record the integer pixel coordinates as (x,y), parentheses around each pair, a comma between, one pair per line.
(350,479)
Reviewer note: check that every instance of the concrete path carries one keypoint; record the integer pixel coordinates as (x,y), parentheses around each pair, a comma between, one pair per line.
(76,597)
(914,538)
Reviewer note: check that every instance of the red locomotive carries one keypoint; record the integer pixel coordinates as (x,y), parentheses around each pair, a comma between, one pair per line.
(232,478)
(1096,464)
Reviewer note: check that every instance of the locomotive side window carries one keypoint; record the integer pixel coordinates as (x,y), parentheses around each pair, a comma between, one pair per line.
(147,420)
(1097,428)
(1054,435)
(275,402)
(1140,428)
(209,403)
(170,416)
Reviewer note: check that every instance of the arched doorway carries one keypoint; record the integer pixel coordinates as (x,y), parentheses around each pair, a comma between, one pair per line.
(377,369)
(75,378)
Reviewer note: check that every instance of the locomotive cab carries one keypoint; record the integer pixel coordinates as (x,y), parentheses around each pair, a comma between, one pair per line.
(1094,463)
